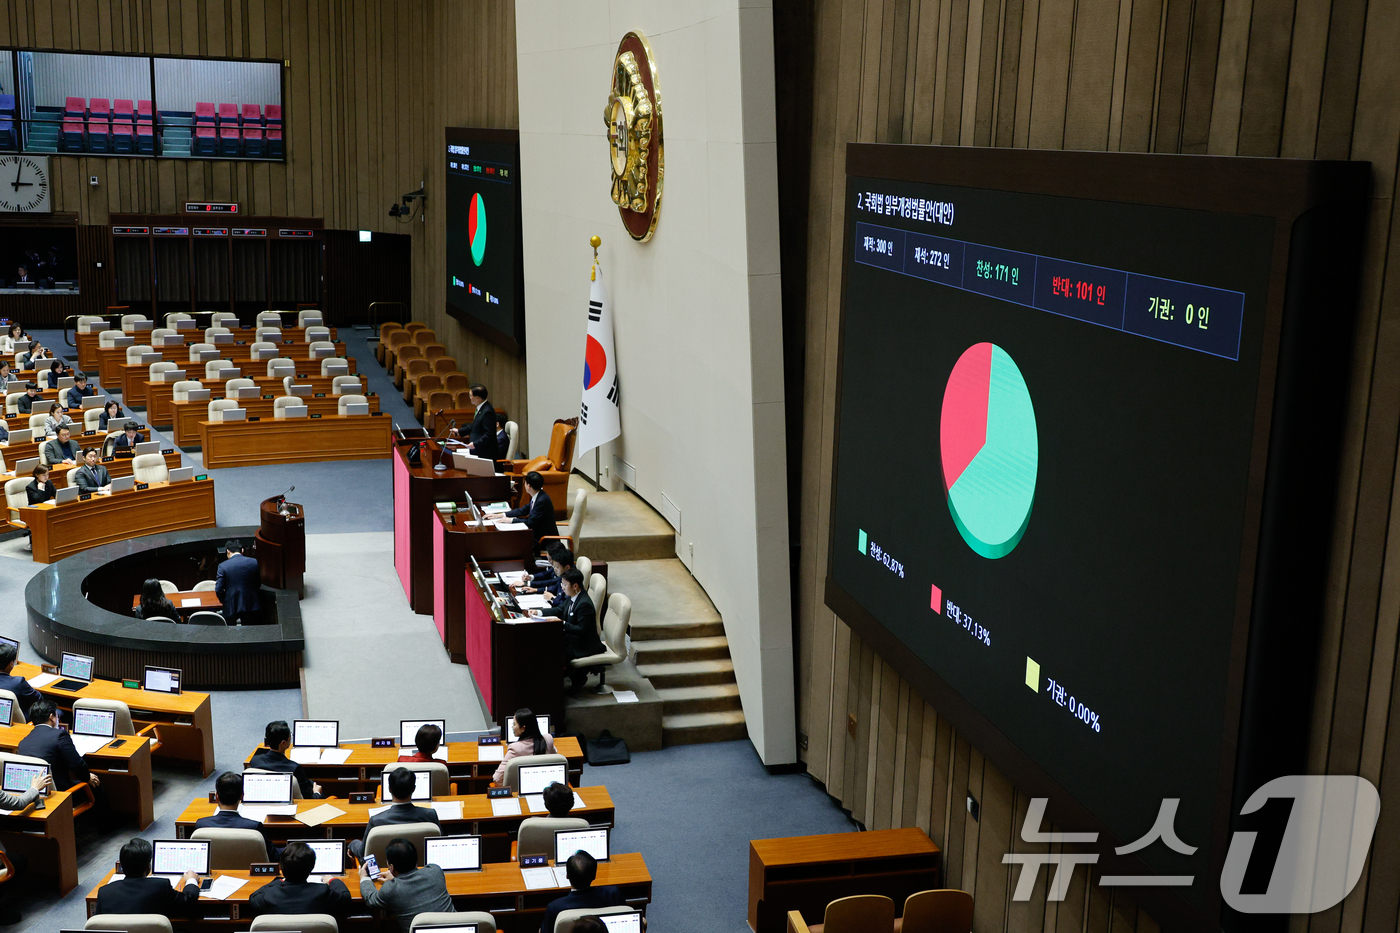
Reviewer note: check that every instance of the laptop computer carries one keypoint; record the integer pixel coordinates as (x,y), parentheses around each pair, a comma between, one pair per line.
(593,840)
(123,483)
(357,408)
(174,375)
(261,789)
(171,340)
(75,669)
(7,711)
(64,383)
(123,340)
(93,401)
(117,425)
(623,921)
(148,358)
(453,853)
(92,729)
(171,858)
(65,495)
(180,474)
(330,857)
(264,353)
(148,447)
(422,785)
(139,327)
(162,680)
(206,356)
(197,395)
(245,392)
(221,338)
(316,733)
(337,369)
(318,353)
(535,778)
(234,414)
(184,324)
(303,391)
(26,466)
(453,927)
(294,411)
(16,776)
(408,730)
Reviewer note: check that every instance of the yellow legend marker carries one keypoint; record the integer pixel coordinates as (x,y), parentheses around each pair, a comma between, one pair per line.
(1032,674)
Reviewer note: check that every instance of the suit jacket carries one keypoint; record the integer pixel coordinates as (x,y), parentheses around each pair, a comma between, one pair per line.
(37,495)
(606,896)
(57,749)
(121,440)
(400,813)
(484,433)
(146,896)
(21,688)
(25,404)
(283,897)
(75,397)
(90,479)
(517,749)
(237,586)
(405,896)
(539,515)
(229,819)
(4,431)
(270,760)
(581,628)
(55,453)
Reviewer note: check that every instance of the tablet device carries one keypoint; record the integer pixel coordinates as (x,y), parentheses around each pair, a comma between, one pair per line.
(76,669)
(16,776)
(422,785)
(535,778)
(267,788)
(408,729)
(316,733)
(623,921)
(162,680)
(453,853)
(593,840)
(330,855)
(171,858)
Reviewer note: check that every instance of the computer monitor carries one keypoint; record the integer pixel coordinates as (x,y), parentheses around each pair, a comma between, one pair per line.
(420,928)
(148,447)
(123,483)
(316,733)
(535,778)
(16,776)
(623,921)
(422,785)
(87,721)
(267,788)
(408,729)
(7,711)
(178,475)
(453,853)
(593,840)
(66,494)
(10,641)
(177,856)
(26,466)
(330,855)
(76,671)
(542,719)
(162,680)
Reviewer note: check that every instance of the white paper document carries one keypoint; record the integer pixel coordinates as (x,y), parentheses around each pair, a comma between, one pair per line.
(448,809)
(512,526)
(538,879)
(39,681)
(222,886)
(335,756)
(117,876)
(374,810)
(318,815)
(625,696)
(517,577)
(305,756)
(490,753)
(87,744)
(561,876)
(534,601)
(185,603)
(505,806)
(534,801)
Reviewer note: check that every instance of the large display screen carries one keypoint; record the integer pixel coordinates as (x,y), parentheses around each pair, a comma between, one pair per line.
(1048,474)
(485,282)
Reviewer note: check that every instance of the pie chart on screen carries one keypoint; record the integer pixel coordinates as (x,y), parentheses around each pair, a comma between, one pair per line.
(476,228)
(989,449)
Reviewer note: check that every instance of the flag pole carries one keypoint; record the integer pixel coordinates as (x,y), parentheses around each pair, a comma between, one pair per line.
(596,241)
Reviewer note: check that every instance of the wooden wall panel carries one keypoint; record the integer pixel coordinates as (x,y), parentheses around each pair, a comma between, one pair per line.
(1294,78)
(370,87)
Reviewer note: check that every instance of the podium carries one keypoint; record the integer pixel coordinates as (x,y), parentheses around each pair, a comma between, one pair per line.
(281,546)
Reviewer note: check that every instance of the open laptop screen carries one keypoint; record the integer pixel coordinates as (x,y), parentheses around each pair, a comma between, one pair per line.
(177,856)
(453,853)
(594,841)
(316,733)
(422,785)
(330,855)
(629,922)
(408,729)
(535,778)
(16,776)
(266,788)
(162,680)
(76,666)
(94,722)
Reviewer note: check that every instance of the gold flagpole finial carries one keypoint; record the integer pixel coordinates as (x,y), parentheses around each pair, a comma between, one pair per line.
(594,241)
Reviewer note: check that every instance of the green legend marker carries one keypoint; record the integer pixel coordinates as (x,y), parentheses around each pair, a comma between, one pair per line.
(1032,674)
(862,542)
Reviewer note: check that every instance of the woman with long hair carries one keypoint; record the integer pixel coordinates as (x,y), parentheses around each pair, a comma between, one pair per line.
(154,603)
(528,740)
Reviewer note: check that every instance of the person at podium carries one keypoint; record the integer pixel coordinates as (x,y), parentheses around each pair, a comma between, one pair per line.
(483,436)
(538,513)
(92,476)
(237,585)
(62,449)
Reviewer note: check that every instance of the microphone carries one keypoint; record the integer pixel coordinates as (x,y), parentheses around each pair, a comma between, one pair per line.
(282,501)
(441,467)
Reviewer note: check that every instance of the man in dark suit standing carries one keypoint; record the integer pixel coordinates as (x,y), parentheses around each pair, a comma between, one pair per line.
(237,585)
(139,894)
(483,442)
(538,513)
(22,689)
(580,627)
(229,791)
(293,894)
(48,742)
(403,810)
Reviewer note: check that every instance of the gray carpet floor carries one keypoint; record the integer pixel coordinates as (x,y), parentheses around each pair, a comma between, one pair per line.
(690,810)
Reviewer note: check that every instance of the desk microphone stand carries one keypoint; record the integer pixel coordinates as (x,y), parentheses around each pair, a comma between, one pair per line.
(441,467)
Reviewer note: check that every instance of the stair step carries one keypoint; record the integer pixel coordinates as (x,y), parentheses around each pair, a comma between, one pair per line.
(702,699)
(681,629)
(662,650)
(693,728)
(688,673)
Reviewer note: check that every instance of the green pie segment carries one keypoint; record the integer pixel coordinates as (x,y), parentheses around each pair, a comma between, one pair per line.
(989,450)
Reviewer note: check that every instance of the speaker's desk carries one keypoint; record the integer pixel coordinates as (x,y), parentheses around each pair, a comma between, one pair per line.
(184,721)
(498,887)
(46,838)
(60,530)
(805,873)
(125,771)
(476,818)
(361,771)
(294,440)
(186,416)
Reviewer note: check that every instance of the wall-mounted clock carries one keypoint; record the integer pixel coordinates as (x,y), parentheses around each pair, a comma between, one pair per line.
(24,184)
(633,119)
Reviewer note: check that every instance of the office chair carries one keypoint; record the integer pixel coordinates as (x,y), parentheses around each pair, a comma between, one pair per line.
(207,617)
(342,384)
(130,923)
(378,838)
(150,468)
(536,836)
(564,923)
(232,849)
(614,641)
(345,400)
(859,913)
(945,910)
(167,587)
(294,923)
(485,923)
(512,776)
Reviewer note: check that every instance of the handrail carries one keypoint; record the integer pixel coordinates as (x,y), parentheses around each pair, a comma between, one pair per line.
(113,311)
(373,315)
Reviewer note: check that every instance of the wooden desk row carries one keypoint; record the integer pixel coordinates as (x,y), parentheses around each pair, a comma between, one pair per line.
(125,771)
(88,344)
(58,472)
(133,378)
(185,417)
(58,531)
(295,440)
(498,888)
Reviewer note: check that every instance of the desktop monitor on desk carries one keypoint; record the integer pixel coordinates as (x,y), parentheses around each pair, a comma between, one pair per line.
(453,853)
(259,787)
(93,401)
(535,778)
(330,855)
(357,408)
(593,840)
(171,858)
(422,785)
(66,495)
(408,730)
(148,447)
(316,733)
(162,680)
(123,483)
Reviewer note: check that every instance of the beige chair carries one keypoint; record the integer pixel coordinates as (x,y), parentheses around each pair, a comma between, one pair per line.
(197,348)
(315,345)
(218,405)
(576,516)
(12,403)
(150,468)
(181,391)
(512,440)
(944,910)
(137,350)
(16,498)
(378,838)
(294,923)
(36,424)
(233,849)
(85,322)
(439,785)
(537,833)
(512,778)
(317,332)
(342,384)
(168,587)
(153,372)
(92,419)
(564,922)
(129,319)
(859,913)
(283,402)
(107,339)
(585,567)
(16,713)
(598,595)
(348,400)
(330,361)
(208,617)
(485,923)
(269,334)
(280,366)
(160,333)
(211,332)
(614,651)
(174,316)
(130,923)
(224,319)
(44,456)
(214,369)
(296,787)
(109,443)
(268,319)
(205,586)
(262,346)
(308,318)
(238,382)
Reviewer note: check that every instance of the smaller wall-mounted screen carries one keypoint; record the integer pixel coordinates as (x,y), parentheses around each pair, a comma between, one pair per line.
(38,260)
(485,282)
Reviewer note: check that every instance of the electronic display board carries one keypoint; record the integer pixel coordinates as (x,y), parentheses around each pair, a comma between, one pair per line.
(1079,399)
(485,280)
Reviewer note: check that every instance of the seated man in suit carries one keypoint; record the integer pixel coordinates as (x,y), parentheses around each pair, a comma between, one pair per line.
(237,585)
(55,746)
(229,791)
(551,581)
(483,436)
(581,868)
(4,432)
(502,437)
(538,513)
(25,403)
(79,391)
(139,894)
(277,738)
(403,810)
(580,627)
(92,476)
(129,438)
(407,890)
(22,689)
(61,449)
(558,800)
(293,894)
(426,743)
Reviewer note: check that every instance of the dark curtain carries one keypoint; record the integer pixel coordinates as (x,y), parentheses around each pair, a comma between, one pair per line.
(250,270)
(132,265)
(211,272)
(296,272)
(173,270)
